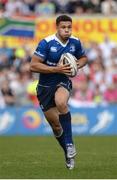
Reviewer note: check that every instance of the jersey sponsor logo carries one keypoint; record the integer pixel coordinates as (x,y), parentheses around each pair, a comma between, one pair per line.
(53,49)
(38,53)
(51,63)
(72,48)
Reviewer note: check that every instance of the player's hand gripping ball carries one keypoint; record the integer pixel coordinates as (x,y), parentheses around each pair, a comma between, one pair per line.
(68,58)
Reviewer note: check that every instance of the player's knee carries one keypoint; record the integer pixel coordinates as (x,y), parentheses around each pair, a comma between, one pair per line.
(62,106)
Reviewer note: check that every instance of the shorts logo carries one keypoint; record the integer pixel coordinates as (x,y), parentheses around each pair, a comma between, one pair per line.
(41,106)
(53,49)
(51,63)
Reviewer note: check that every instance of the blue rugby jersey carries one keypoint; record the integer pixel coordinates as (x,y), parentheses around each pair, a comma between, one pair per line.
(50,50)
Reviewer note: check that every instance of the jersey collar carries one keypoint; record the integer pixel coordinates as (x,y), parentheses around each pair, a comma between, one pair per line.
(62,44)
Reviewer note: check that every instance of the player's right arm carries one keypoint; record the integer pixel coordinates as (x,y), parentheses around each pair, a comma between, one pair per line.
(38,66)
(40,55)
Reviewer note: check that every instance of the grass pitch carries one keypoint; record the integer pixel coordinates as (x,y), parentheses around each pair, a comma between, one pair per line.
(42,158)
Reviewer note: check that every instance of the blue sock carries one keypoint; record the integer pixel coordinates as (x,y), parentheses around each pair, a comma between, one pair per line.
(65,120)
(61,140)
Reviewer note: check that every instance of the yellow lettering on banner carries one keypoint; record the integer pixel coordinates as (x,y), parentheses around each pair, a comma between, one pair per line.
(89,29)
(95,29)
(19,42)
(45,28)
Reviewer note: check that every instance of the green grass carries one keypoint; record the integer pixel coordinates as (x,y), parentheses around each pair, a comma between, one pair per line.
(41,157)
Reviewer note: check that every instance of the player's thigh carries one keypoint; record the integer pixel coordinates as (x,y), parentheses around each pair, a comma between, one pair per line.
(61,96)
(52,116)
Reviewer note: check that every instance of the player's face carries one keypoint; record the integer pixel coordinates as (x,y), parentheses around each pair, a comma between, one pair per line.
(64,30)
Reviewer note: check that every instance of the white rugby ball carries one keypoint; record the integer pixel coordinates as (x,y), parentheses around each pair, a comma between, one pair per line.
(68,58)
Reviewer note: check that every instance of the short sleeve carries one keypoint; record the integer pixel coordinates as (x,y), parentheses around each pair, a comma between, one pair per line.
(80,51)
(41,49)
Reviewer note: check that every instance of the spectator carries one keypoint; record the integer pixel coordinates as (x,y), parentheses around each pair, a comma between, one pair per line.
(16,7)
(60,5)
(109,7)
(83,93)
(31,4)
(2,102)
(7,93)
(110,94)
(92,6)
(98,97)
(93,51)
(45,8)
(106,47)
(31,91)
(6,55)
(73,6)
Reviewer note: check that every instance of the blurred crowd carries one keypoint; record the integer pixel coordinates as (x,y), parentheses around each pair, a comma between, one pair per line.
(52,7)
(15,77)
(95,84)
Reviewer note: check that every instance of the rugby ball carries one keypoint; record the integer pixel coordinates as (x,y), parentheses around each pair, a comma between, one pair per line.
(68,58)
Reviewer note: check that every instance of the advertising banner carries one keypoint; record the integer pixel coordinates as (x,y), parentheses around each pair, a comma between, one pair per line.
(20,31)
(88,29)
(85,121)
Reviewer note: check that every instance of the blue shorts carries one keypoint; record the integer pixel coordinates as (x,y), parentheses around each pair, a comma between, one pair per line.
(45,94)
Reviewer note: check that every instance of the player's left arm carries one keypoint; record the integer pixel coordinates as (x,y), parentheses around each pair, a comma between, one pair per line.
(82,61)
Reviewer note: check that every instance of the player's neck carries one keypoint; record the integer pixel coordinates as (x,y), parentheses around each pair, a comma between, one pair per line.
(62,40)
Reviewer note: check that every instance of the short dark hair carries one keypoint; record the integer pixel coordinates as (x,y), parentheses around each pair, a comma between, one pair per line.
(63,18)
